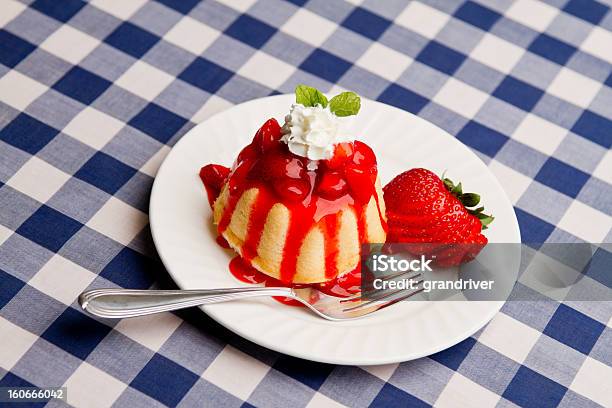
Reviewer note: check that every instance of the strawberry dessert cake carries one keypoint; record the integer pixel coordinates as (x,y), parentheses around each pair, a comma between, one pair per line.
(301,198)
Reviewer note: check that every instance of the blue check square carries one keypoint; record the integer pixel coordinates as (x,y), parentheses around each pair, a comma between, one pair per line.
(82,85)
(325,65)
(482,138)
(311,373)
(130,269)
(609,80)
(366,23)
(13,49)
(441,57)
(531,389)
(10,287)
(12,380)
(105,172)
(157,122)
(452,357)
(27,133)
(164,380)
(250,31)
(589,10)
(552,49)
(59,10)
(518,93)
(391,396)
(534,230)
(206,75)
(594,127)
(182,6)
(562,177)
(76,333)
(132,39)
(574,329)
(599,267)
(49,228)
(477,15)
(403,98)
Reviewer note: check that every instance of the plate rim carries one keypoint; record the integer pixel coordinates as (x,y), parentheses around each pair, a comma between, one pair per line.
(279,347)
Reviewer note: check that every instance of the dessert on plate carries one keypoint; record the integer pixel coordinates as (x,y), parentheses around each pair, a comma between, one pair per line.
(301,198)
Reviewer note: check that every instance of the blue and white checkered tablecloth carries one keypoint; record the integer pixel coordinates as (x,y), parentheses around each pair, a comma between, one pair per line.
(93,96)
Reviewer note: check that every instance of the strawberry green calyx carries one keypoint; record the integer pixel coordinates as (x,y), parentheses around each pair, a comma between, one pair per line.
(469,200)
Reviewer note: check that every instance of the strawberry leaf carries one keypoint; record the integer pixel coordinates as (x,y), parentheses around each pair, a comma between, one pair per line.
(469,199)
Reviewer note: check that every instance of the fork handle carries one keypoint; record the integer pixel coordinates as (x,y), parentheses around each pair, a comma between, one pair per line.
(122,303)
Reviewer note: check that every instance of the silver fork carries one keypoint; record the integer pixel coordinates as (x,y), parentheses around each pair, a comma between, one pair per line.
(123,303)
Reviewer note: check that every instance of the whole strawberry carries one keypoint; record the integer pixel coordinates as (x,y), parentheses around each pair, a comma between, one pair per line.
(436,216)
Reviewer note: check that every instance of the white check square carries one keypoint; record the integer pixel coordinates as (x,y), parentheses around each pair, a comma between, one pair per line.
(384,61)
(266,70)
(309,27)
(240,5)
(151,331)
(119,221)
(603,170)
(501,334)
(62,279)
(70,44)
(384,372)
(514,183)
(574,87)
(5,233)
(119,8)
(213,105)
(321,401)
(463,392)
(10,10)
(38,179)
(461,97)
(241,383)
(497,53)
(144,80)
(150,167)
(532,13)
(540,134)
(191,35)
(422,19)
(20,342)
(599,43)
(18,90)
(586,222)
(593,381)
(92,127)
(91,387)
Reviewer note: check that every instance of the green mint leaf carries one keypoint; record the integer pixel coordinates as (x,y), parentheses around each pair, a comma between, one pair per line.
(345,104)
(309,96)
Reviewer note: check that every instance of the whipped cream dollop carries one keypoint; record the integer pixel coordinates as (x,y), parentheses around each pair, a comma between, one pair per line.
(313,131)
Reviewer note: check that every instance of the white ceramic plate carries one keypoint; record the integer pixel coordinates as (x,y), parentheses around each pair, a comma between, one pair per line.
(180,220)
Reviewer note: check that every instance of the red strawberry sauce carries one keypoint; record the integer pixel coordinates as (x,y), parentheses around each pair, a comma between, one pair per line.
(312,191)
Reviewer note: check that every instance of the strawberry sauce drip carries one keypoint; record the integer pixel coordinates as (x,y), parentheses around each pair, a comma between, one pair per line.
(313,192)
(346,285)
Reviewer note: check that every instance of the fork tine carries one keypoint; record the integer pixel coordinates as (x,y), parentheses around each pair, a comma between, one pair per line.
(384,279)
(385,296)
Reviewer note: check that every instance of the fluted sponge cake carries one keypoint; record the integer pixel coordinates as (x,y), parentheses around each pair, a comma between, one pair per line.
(310,264)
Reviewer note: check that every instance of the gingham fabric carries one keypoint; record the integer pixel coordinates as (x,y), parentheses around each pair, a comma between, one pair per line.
(94,95)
